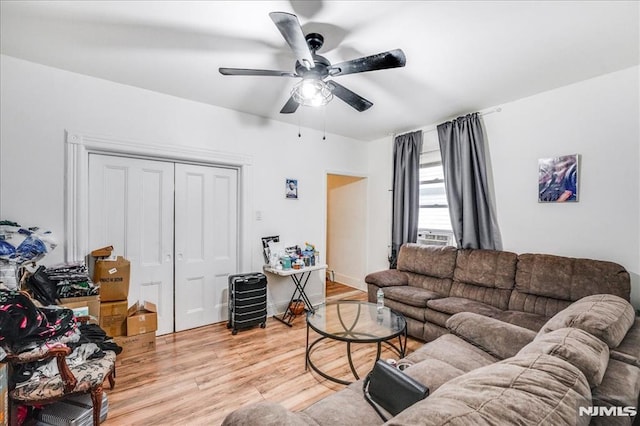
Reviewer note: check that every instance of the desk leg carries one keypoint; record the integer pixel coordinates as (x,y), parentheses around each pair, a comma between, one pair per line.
(306,352)
(300,283)
(300,286)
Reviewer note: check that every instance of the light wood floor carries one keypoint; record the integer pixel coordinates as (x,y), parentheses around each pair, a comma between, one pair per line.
(199,376)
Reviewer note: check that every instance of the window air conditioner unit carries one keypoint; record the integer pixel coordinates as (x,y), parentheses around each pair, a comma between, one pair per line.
(435,238)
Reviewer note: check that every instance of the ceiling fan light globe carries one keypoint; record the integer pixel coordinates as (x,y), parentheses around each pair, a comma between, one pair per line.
(309,90)
(312,92)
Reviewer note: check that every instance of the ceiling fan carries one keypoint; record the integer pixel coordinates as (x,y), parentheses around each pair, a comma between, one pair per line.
(314,89)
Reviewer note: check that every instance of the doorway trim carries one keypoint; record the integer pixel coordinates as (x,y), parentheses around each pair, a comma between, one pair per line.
(79,146)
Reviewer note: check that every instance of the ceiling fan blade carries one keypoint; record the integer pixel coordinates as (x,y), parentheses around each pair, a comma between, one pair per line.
(244,71)
(290,107)
(391,59)
(291,30)
(353,99)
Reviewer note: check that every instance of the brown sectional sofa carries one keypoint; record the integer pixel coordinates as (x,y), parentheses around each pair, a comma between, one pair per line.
(432,283)
(511,339)
(487,371)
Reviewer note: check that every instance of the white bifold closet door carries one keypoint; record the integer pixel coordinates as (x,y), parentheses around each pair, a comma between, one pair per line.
(177,225)
(206,243)
(131,208)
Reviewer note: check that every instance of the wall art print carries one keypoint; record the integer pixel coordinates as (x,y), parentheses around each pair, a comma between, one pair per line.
(558,179)
(291,190)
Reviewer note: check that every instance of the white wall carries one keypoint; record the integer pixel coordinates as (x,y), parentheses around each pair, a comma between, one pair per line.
(347,229)
(380,160)
(37,104)
(598,119)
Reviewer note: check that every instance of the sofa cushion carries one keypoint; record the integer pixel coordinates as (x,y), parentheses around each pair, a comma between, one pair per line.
(486,268)
(629,349)
(570,278)
(268,414)
(532,389)
(575,346)
(410,295)
(499,338)
(433,373)
(606,316)
(451,350)
(496,297)
(435,317)
(347,407)
(427,260)
(620,385)
(453,305)
(522,319)
(406,310)
(533,304)
(441,286)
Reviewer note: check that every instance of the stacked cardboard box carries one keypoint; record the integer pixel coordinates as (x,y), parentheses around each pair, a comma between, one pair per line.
(134,329)
(112,275)
(142,323)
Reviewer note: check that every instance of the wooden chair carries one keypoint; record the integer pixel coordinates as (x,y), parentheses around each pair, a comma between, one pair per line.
(87,377)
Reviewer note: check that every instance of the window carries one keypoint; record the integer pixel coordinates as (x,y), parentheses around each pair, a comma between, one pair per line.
(434,223)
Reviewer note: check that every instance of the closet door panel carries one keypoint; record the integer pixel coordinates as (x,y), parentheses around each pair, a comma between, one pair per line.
(206,243)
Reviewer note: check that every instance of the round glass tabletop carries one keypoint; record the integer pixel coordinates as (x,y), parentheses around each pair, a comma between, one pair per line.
(356,321)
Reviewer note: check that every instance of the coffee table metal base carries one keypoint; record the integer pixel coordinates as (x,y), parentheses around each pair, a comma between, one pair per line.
(400,350)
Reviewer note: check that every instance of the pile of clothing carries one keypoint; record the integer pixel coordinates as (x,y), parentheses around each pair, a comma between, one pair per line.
(19,246)
(71,280)
(26,328)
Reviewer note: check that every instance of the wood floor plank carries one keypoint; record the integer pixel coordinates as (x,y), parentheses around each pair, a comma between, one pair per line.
(199,376)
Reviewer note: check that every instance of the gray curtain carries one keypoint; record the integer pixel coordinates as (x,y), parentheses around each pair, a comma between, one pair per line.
(465,179)
(406,186)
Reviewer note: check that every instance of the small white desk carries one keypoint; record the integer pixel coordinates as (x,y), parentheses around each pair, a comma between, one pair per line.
(300,277)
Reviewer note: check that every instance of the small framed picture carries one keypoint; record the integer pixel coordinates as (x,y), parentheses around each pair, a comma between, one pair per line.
(291,190)
(266,249)
(558,179)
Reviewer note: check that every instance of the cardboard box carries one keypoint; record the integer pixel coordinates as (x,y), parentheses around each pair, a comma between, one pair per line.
(102,252)
(136,345)
(92,303)
(113,318)
(4,401)
(142,318)
(113,278)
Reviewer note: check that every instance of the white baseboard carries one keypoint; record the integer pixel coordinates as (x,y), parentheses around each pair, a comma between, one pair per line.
(357,283)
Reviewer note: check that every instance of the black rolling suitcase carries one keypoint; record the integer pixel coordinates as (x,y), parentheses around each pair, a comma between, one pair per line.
(247,301)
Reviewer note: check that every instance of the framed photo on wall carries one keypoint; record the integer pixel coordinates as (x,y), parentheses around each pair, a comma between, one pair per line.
(558,179)
(291,190)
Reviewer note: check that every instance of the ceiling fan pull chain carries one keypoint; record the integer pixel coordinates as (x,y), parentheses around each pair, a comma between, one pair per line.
(324,123)
(299,125)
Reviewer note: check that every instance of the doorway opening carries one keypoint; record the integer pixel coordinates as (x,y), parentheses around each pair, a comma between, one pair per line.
(347,229)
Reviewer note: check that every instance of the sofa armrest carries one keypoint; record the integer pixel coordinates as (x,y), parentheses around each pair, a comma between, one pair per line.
(496,337)
(388,278)
(268,414)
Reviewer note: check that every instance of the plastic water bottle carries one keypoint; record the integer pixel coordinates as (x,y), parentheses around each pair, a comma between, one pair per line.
(380,299)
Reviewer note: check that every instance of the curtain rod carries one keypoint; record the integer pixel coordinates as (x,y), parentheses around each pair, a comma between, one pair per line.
(434,127)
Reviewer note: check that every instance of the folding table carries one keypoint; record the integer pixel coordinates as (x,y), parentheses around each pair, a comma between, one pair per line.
(300,278)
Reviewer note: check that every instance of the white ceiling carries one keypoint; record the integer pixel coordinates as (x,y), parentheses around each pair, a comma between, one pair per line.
(461,56)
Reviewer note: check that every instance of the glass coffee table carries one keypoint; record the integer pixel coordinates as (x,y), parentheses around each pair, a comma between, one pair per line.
(353,321)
